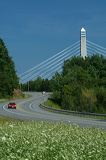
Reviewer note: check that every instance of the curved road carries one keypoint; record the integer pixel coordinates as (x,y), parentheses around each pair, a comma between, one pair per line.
(29,110)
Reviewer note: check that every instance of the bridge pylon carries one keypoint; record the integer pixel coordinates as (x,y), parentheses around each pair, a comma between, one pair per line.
(83,46)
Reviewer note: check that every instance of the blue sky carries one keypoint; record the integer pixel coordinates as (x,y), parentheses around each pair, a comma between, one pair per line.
(34,30)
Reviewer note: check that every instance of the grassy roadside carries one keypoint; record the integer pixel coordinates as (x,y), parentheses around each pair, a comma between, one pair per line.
(3,100)
(4,120)
(25,96)
(50,141)
(50,103)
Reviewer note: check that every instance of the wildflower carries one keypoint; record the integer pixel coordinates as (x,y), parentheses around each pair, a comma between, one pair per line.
(3,138)
(11,125)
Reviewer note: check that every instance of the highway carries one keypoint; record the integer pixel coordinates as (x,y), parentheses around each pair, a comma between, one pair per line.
(28,109)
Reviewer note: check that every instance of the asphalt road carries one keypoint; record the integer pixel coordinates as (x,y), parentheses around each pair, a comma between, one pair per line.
(29,110)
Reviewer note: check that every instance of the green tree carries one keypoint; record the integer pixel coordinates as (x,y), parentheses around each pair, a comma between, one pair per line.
(8,77)
(82,84)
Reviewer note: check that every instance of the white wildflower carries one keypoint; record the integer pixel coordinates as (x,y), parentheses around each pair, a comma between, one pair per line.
(3,138)
(11,126)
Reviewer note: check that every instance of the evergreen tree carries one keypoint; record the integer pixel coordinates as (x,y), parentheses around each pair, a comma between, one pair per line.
(8,78)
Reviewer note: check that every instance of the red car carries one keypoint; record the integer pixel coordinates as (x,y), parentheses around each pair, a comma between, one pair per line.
(12,105)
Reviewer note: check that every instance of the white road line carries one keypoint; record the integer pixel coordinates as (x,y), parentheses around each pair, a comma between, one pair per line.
(17,113)
(71,119)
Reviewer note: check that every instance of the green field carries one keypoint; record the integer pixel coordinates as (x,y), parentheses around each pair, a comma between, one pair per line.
(50,141)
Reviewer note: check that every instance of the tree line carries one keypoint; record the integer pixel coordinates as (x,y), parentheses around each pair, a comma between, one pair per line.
(81,86)
(38,85)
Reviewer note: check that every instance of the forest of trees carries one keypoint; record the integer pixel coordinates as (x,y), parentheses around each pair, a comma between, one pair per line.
(80,87)
(37,85)
(8,77)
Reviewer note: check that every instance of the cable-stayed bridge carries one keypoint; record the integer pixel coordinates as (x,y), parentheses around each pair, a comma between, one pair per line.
(50,66)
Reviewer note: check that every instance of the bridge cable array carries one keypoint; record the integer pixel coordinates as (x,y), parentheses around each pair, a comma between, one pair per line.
(93,48)
(50,66)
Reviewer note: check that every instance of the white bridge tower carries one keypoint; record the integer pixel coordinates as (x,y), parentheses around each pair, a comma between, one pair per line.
(83,48)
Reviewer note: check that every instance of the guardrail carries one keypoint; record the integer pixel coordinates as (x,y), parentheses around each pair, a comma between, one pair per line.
(70,112)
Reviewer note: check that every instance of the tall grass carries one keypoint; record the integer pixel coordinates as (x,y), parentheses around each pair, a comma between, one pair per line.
(50,103)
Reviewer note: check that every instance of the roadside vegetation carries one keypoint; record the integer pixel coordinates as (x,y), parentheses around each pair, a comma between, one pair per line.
(51,141)
(81,86)
(4,120)
(2,100)
(52,104)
